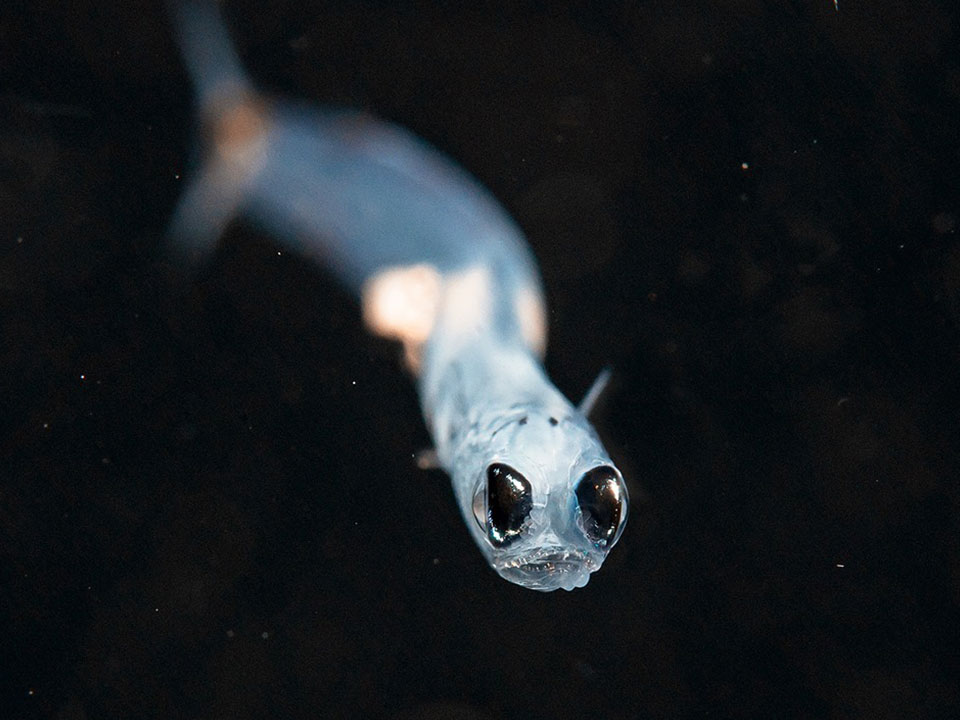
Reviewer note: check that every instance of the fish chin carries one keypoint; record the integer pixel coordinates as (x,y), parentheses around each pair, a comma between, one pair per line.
(547,569)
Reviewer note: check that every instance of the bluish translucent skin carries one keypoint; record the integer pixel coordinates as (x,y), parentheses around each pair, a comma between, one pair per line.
(361,196)
(493,404)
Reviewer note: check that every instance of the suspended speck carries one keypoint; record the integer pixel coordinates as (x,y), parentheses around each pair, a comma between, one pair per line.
(19,241)
(944,223)
(744,166)
(264,635)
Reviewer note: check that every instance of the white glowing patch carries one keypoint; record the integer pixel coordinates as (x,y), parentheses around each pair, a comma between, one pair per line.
(401,303)
(467,302)
(407,304)
(530,311)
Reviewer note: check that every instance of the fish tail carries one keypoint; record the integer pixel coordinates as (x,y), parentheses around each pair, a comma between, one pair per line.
(233,127)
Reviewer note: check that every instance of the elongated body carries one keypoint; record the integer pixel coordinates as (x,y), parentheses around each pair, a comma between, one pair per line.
(436,264)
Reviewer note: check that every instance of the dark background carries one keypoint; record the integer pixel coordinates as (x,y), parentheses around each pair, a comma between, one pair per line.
(748,208)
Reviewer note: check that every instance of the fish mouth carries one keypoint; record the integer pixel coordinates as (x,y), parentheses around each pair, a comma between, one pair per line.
(547,569)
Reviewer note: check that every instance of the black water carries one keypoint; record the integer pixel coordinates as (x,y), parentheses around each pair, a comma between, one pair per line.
(208,506)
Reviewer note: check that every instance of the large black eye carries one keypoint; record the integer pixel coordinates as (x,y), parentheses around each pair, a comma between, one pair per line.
(509,502)
(600,495)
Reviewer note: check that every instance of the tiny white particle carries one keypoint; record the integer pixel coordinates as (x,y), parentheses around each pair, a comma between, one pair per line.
(840,565)
(82,376)
(278,252)
(230,633)
(744,166)
(353,382)
(264,635)
(19,241)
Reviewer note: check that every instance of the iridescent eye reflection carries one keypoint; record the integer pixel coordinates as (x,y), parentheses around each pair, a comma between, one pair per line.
(600,497)
(509,501)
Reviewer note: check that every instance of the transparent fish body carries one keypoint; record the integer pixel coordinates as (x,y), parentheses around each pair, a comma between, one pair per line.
(436,263)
